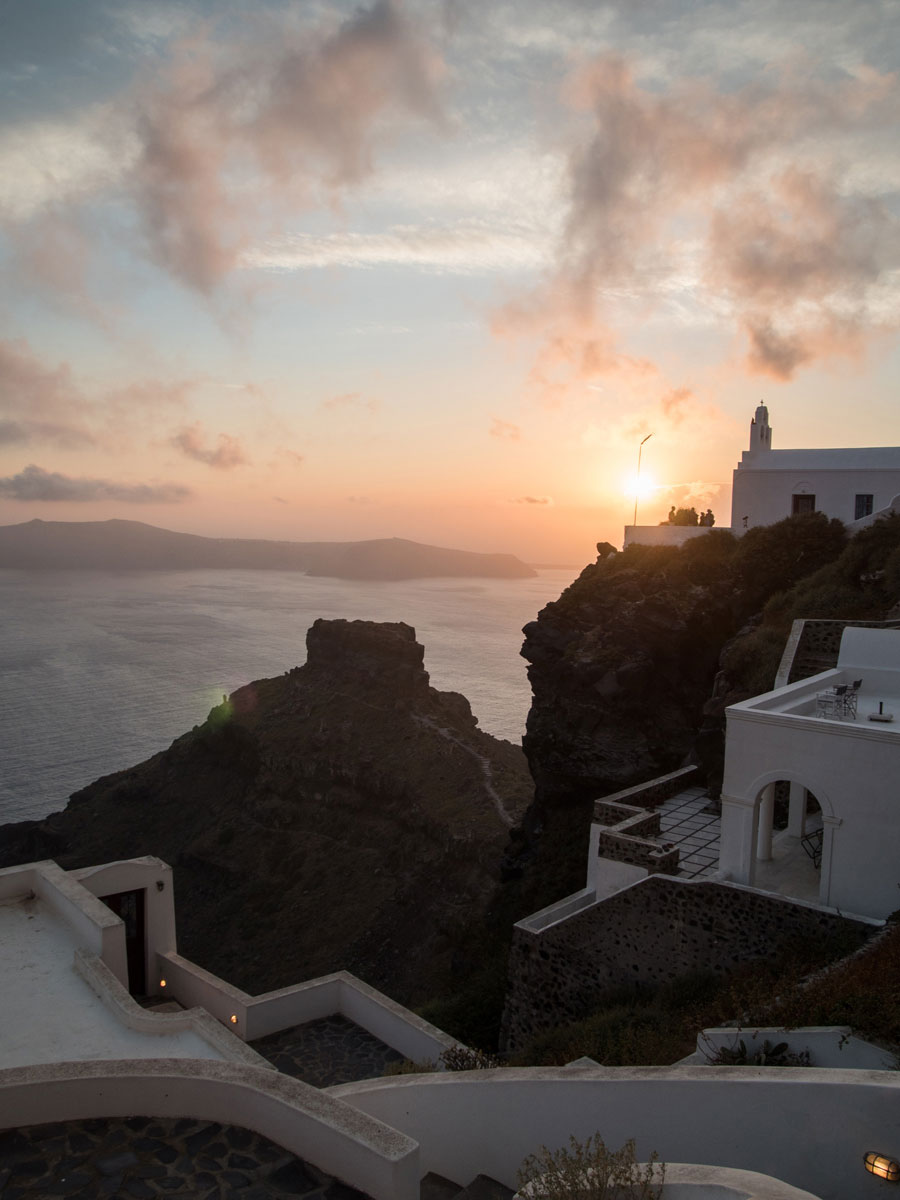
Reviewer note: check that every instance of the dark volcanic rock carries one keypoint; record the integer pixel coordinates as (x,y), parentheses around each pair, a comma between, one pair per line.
(621,666)
(345,815)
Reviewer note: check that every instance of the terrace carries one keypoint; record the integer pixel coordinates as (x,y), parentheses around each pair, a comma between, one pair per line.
(833,739)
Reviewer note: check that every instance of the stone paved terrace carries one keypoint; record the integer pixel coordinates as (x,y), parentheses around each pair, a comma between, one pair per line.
(327,1052)
(141,1158)
(685,821)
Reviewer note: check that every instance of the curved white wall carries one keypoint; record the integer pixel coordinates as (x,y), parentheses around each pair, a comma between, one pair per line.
(311,1124)
(807,1127)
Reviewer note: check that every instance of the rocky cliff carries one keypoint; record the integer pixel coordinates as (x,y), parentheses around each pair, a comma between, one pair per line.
(620,667)
(633,666)
(345,815)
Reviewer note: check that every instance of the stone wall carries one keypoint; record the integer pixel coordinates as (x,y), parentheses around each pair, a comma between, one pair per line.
(630,834)
(654,791)
(649,933)
(815,645)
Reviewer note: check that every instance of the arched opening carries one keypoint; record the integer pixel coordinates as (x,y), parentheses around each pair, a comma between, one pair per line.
(789,842)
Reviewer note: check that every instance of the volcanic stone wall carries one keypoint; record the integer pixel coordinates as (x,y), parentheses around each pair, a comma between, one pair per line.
(649,933)
(630,834)
(819,643)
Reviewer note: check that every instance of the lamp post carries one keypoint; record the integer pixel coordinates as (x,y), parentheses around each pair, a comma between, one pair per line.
(637,484)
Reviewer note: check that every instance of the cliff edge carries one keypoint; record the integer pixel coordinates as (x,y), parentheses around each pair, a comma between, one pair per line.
(345,815)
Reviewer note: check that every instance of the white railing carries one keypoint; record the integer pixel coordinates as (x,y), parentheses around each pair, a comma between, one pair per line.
(252,1017)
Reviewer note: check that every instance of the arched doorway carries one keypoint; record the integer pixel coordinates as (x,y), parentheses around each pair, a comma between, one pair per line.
(790,841)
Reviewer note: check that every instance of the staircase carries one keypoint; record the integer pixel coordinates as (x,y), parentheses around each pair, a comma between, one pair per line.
(482,1187)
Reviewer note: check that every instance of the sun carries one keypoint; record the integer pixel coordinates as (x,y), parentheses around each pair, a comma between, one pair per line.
(639,486)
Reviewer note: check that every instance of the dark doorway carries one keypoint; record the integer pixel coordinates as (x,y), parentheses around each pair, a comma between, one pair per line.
(130,907)
(802,504)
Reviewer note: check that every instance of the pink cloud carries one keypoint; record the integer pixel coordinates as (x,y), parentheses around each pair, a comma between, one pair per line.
(304,111)
(34,484)
(788,253)
(505,430)
(191,441)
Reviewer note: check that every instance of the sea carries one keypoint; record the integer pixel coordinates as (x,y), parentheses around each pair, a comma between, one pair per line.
(100,670)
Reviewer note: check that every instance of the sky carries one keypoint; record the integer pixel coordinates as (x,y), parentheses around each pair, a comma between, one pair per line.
(434,269)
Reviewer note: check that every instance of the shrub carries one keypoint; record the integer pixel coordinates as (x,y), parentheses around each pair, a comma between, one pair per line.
(590,1171)
(456,1058)
(767,1055)
(462,1058)
(774,557)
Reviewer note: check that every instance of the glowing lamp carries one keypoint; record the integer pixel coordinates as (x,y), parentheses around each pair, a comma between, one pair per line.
(162,983)
(233,1019)
(882,1166)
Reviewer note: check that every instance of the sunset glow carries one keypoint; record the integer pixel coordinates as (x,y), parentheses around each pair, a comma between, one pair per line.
(432,269)
(640,486)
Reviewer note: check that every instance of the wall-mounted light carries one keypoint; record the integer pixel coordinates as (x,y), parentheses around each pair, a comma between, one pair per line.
(882,1166)
(233,1018)
(159,885)
(162,983)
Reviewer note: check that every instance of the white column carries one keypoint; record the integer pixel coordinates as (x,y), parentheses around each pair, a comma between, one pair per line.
(738,838)
(593,863)
(764,832)
(797,811)
(830,826)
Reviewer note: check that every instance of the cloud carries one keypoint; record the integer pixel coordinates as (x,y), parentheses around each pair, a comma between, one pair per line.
(34,484)
(40,405)
(303,111)
(505,430)
(28,387)
(341,401)
(461,248)
(23,433)
(548,500)
(673,404)
(700,492)
(292,456)
(801,261)
(191,441)
(351,400)
(733,198)
(48,163)
(45,405)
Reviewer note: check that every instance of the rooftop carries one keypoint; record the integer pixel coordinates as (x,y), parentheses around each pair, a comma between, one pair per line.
(50,1012)
(868,668)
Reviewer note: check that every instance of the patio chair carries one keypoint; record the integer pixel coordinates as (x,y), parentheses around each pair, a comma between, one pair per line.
(812,844)
(831,703)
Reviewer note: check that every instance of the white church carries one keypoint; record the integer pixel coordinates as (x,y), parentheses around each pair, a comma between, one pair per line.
(854,485)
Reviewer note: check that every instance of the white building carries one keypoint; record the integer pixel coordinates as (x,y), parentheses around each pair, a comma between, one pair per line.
(834,737)
(74,1044)
(850,484)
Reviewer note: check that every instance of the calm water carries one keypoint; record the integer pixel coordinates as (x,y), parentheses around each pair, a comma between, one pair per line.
(100,670)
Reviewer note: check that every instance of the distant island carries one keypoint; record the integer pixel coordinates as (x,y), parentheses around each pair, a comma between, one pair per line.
(133,545)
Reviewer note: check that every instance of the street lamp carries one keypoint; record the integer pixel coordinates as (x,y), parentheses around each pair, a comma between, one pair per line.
(637,482)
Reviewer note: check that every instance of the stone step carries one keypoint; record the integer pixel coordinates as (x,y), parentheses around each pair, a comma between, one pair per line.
(437,1187)
(482,1187)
